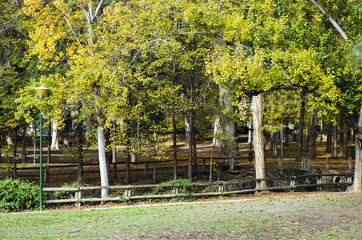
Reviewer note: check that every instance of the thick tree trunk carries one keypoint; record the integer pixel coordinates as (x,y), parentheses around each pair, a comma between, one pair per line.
(102,158)
(335,141)
(217,130)
(357,182)
(55,138)
(301,126)
(257,109)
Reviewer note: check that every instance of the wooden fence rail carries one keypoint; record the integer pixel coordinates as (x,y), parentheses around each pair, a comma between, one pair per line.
(304,163)
(201,189)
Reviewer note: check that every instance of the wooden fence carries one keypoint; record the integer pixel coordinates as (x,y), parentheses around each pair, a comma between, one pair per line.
(147,166)
(78,195)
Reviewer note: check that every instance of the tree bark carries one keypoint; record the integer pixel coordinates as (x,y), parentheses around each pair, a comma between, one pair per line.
(335,141)
(357,182)
(80,152)
(257,109)
(329,139)
(344,141)
(55,138)
(312,137)
(301,126)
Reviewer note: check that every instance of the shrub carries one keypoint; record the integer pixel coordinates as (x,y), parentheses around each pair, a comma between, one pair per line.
(17,195)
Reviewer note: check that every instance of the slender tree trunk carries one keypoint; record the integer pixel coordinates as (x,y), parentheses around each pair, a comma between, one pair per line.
(80,152)
(15,151)
(312,137)
(23,152)
(301,126)
(329,139)
(344,141)
(257,109)
(108,153)
(49,143)
(335,141)
(174,145)
(187,131)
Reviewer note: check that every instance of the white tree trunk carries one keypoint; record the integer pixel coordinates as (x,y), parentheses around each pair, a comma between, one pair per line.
(257,108)
(187,131)
(102,159)
(357,182)
(217,129)
(55,137)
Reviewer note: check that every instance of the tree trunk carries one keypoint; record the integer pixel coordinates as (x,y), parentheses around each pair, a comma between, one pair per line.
(257,108)
(335,141)
(187,131)
(329,139)
(217,129)
(174,145)
(80,153)
(49,143)
(102,158)
(312,137)
(344,141)
(55,137)
(301,126)
(357,179)
(15,151)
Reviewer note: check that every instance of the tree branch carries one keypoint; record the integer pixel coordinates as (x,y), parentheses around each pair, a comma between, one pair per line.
(334,23)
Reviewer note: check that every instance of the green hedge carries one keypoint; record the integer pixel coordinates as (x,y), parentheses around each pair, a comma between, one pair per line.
(17,195)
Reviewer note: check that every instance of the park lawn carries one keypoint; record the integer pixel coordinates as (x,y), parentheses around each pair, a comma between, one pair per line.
(325,216)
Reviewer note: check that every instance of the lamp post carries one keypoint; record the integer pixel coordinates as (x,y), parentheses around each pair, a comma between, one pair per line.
(42,92)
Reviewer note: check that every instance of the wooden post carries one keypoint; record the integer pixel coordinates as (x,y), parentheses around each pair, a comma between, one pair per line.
(78,196)
(292,184)
(327,163)
(203,164)
(350,163)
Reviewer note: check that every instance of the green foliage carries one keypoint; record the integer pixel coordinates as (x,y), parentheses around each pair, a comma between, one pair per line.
(183,186)
(17,195)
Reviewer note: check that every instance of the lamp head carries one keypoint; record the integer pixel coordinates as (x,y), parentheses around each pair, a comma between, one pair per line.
(42,91)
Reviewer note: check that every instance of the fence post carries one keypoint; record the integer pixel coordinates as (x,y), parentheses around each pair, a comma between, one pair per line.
(319,181)
(292,184)
(203,164)
(350,163)
(78,196)
(221,188)
(327,163)
(146,169)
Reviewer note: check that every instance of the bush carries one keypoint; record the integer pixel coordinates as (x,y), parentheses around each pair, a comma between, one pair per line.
(17,195)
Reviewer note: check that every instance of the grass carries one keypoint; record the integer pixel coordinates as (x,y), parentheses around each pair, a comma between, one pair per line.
(329,216)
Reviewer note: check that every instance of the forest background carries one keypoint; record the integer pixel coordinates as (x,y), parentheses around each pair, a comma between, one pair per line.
(133,72)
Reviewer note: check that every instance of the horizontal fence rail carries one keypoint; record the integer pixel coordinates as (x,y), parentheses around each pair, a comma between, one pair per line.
(303,163)
(127,193)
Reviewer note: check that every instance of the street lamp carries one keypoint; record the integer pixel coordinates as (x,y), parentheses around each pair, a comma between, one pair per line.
(42,92)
